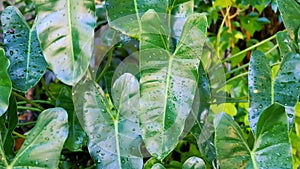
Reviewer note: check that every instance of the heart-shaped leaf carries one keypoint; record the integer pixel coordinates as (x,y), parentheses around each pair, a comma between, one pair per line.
(260,86)
(168,80)
(66,31)
(113,131)
(27,63)
(43,145)
(286,44)
(271,148)
(5,83)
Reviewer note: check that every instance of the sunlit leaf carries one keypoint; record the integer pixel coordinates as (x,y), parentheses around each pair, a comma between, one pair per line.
(271,148)
(114,135)
(66,31)
(5,83)
(27,63)
(168,80)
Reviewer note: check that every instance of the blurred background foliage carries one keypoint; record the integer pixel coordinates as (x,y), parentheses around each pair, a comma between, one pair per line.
(235,29)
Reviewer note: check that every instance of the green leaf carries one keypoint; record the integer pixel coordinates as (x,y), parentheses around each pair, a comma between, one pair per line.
(77,137)
(286,44)
(260,86)
(287,83)
(169,78)
(271,147)
(27,63)
(66,31)
(290,11)
(222,3)
(194,163)
(114,134)
(124,16)
(43,145)
(158,166)
(8,122)
(5,83)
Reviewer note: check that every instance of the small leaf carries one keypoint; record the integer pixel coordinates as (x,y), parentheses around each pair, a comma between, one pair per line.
(158,166)
(27,63)
(8,123)
(194,163)
(5,83)
(286,44)
(77,136)
(271,147)
(114,134)
(260,86)
(66,31)
(290,11)
(43,145)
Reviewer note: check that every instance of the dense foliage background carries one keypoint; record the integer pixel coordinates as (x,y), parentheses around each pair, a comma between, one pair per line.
(236,28)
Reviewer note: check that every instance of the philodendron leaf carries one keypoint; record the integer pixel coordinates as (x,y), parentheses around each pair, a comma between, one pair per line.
(114,135)
(158,166)
(5,83)
(287,83)
(290,11)
(77,136)
(260,86)
(168,80)
(194,163)
(66,31)
(271,148)
(27,63)
(44,143)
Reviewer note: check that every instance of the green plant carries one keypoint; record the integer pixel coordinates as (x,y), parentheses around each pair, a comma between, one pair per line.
(162,106)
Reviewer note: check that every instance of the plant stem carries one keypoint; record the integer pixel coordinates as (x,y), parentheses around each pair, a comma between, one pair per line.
(220,32)
(27,123)
(29,108)
(36,101)
(107,65)
(237,76)
(18,134)
(28,101)
(249,48)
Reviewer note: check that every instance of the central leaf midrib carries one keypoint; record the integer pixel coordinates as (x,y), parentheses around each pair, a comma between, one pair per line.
(69,14)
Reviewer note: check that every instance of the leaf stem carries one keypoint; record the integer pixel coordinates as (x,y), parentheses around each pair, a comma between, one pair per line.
(107,65)
(29,108)
(28,101)
(248,49)
(27,123)
(220,32)
(18,134)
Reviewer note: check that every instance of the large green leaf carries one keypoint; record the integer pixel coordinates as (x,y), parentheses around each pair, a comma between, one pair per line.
(5,83)
(260,86)
(114,135)
(43,145)
(168,80)
(66,31)
(8,122)
(290,11)
(27,63)
(77,136)
(271,147)
(287,83)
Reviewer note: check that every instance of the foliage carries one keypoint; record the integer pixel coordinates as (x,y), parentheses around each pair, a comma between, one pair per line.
(140,84)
